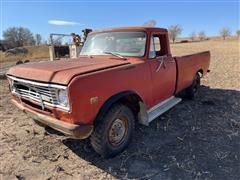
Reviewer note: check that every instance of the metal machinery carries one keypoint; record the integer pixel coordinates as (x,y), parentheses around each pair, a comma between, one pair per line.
(70,50)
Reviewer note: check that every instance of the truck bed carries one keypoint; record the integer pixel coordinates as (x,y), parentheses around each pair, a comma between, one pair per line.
(188,66)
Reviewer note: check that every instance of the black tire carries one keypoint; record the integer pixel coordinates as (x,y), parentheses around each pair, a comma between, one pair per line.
(192,90)
(102,138)
(19,62)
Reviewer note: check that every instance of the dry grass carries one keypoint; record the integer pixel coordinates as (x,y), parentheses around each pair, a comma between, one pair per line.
(34,53)
(195,140)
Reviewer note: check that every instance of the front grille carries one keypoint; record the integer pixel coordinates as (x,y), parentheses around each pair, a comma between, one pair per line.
(41,94)
(45,94)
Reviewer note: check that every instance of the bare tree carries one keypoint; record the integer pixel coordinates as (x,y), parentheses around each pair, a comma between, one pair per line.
(238,33)
(174,31)
(193,36)
(38,39)
(150,23)
(224,32)
(18,36)
(202,35)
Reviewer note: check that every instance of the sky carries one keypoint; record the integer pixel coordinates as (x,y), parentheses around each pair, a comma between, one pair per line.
(62,16)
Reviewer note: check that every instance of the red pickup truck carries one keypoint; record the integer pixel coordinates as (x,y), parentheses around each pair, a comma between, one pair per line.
(123,76)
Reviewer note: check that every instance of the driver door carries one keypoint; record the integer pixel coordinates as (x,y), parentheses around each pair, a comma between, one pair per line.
(163,68)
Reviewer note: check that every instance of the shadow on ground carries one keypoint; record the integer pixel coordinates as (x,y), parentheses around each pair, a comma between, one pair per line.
(196,139)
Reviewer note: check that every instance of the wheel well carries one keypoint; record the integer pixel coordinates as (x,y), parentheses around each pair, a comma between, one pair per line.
(131,101)
(128,98)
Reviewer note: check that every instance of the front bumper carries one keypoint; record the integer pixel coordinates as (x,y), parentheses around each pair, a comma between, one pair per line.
(71,130)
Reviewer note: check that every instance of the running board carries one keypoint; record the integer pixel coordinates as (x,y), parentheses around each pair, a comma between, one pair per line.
(162,107)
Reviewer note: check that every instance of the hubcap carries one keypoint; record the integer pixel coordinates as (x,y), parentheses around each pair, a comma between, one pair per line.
(117,132)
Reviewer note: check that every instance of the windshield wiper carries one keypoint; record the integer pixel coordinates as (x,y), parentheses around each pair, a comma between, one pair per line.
(115,54)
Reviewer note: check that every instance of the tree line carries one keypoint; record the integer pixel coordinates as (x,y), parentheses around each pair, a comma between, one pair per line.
(176,30)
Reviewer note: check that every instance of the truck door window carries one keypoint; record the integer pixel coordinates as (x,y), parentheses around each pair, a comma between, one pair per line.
(158,46)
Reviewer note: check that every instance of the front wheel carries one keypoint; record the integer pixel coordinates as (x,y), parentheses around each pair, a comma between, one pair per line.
(192,90)
(113,132)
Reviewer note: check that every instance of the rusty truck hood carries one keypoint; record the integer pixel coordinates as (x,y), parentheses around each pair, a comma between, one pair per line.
(62,71)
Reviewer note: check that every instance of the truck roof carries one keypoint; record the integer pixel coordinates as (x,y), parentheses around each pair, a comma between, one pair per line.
(137,28)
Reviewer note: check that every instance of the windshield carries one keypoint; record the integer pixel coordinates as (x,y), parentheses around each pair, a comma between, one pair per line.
(127,43)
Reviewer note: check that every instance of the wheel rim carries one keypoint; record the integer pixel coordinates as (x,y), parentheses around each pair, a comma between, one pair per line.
(118,131)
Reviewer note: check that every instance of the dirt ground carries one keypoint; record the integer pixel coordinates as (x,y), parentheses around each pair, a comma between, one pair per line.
(197,139)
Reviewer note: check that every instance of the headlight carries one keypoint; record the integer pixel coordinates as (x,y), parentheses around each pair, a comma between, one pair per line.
(62,97)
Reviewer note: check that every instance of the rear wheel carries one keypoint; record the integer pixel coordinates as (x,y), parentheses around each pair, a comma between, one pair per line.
(192,90)
(113,132)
